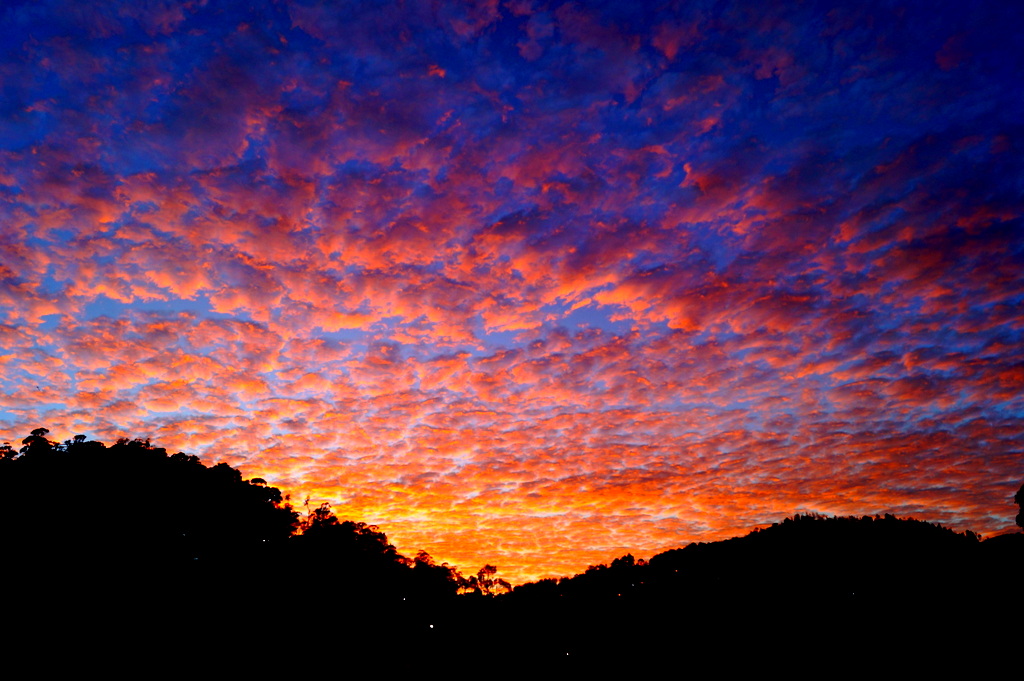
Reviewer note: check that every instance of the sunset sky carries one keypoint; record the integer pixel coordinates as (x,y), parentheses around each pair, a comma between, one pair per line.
(533,284)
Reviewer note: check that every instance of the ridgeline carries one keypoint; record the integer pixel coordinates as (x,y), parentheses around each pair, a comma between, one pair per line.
(129,549)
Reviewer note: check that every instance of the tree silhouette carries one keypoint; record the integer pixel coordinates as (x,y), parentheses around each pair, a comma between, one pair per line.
(158,543)
(484,583)
(1018,499)
(36,442)
(155,543)
(366,569)
(85,509)
(432,580)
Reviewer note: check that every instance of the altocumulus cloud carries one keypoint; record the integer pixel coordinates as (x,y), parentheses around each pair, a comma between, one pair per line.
(524,282)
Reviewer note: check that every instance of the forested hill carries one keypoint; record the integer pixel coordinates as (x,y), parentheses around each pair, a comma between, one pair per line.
(804,593)
(131,516)
(129,543)
(813,554)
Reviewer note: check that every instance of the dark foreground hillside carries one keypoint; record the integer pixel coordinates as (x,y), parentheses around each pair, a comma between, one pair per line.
(125,559)
(801,594)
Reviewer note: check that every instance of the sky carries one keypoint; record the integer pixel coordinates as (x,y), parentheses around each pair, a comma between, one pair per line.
(533,284)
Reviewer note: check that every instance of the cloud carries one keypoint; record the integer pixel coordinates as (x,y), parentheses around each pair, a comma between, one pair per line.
(526,283)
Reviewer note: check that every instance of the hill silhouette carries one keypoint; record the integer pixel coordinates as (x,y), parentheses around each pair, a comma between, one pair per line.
(802,593)
(131,544)
(114,512)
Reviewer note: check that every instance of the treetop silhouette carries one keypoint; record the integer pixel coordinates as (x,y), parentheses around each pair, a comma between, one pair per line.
(111,513)
(131,505)
(1018,499)
(162,539)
